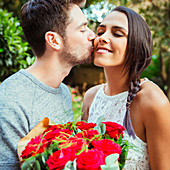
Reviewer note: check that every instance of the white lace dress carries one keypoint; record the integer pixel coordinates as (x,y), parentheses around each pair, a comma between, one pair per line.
(113,108)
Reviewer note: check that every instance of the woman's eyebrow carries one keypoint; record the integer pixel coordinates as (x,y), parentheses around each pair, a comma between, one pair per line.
(103,26)
(114,27)
(118,27)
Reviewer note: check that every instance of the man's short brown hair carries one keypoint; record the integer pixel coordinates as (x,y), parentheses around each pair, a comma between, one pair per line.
(40,16)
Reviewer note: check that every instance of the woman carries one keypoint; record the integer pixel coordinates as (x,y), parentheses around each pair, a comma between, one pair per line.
(123,47)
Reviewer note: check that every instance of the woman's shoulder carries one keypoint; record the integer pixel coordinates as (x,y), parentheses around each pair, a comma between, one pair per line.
(152,106)
(151,98)
(150,92)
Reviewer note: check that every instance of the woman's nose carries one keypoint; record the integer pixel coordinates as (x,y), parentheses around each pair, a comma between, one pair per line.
(104,39)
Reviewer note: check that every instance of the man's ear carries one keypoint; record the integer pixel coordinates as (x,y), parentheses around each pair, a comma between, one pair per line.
(53,39)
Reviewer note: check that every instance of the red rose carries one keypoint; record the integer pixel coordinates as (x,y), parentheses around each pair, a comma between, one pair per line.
(88,135)
(68,125)
(59,158)
(54,127)
(57,134)
(90,160)
(35,146)
(107,146)
(78,145)
(85,126)
(113,129)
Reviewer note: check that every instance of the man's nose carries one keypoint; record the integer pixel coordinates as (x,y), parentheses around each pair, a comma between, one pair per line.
(91,35)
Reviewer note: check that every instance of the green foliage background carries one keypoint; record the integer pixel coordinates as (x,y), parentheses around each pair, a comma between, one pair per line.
(157,15)
(13,51)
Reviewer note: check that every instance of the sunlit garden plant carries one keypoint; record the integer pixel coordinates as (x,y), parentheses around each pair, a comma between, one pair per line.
(76,101)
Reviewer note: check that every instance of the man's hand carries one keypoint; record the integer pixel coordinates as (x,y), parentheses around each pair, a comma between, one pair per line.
(36,131)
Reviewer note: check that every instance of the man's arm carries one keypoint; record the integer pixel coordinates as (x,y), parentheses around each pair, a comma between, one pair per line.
(13,126)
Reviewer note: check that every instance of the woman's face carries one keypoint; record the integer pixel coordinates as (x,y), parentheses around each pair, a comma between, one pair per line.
(110,44)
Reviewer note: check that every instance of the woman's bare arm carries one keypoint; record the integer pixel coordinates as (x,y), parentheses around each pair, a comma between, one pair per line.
(156,115)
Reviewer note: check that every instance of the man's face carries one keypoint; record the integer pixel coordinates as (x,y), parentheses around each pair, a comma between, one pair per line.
(78,40)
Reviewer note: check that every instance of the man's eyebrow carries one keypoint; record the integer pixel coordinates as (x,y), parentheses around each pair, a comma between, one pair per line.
(82,24)
(113,27)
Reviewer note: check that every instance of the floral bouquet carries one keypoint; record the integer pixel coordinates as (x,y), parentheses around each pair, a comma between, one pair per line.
(77,146)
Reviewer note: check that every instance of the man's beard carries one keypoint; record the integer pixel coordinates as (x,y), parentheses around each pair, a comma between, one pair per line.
(74,57)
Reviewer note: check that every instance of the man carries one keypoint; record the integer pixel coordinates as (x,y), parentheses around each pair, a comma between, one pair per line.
(60,39)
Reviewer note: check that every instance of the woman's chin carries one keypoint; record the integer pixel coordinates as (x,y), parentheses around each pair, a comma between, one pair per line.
(98,64)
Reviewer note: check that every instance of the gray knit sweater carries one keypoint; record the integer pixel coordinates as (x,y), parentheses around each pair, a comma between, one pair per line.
(24,101)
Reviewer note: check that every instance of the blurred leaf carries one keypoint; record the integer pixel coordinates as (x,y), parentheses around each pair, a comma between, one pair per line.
(160,28)
(37,165)
(13,51)
(110,162)
(101,127)
(28,164)
(71,165)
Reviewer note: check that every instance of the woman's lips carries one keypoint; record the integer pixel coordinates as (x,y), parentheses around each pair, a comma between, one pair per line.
(101,50)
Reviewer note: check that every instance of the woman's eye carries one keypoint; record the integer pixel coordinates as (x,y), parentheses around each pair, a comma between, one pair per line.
(117,35)
(99,33)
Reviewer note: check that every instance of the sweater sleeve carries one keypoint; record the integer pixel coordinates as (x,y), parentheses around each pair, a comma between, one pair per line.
(13,126)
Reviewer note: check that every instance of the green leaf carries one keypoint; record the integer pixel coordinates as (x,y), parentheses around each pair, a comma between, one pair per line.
(98,129)
(103,128)
(111,159)
(11,44)
(123,156)
(110,162)
(113,167)
(71,165)
(29,60)
(44,157)
(37,165)
(28,164)
(76,130)
(99,121)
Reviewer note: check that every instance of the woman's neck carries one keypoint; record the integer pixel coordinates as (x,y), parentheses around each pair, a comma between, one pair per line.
(117,82)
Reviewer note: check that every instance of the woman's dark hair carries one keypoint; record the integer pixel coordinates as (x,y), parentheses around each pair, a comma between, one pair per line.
(40,16)
(138,57)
